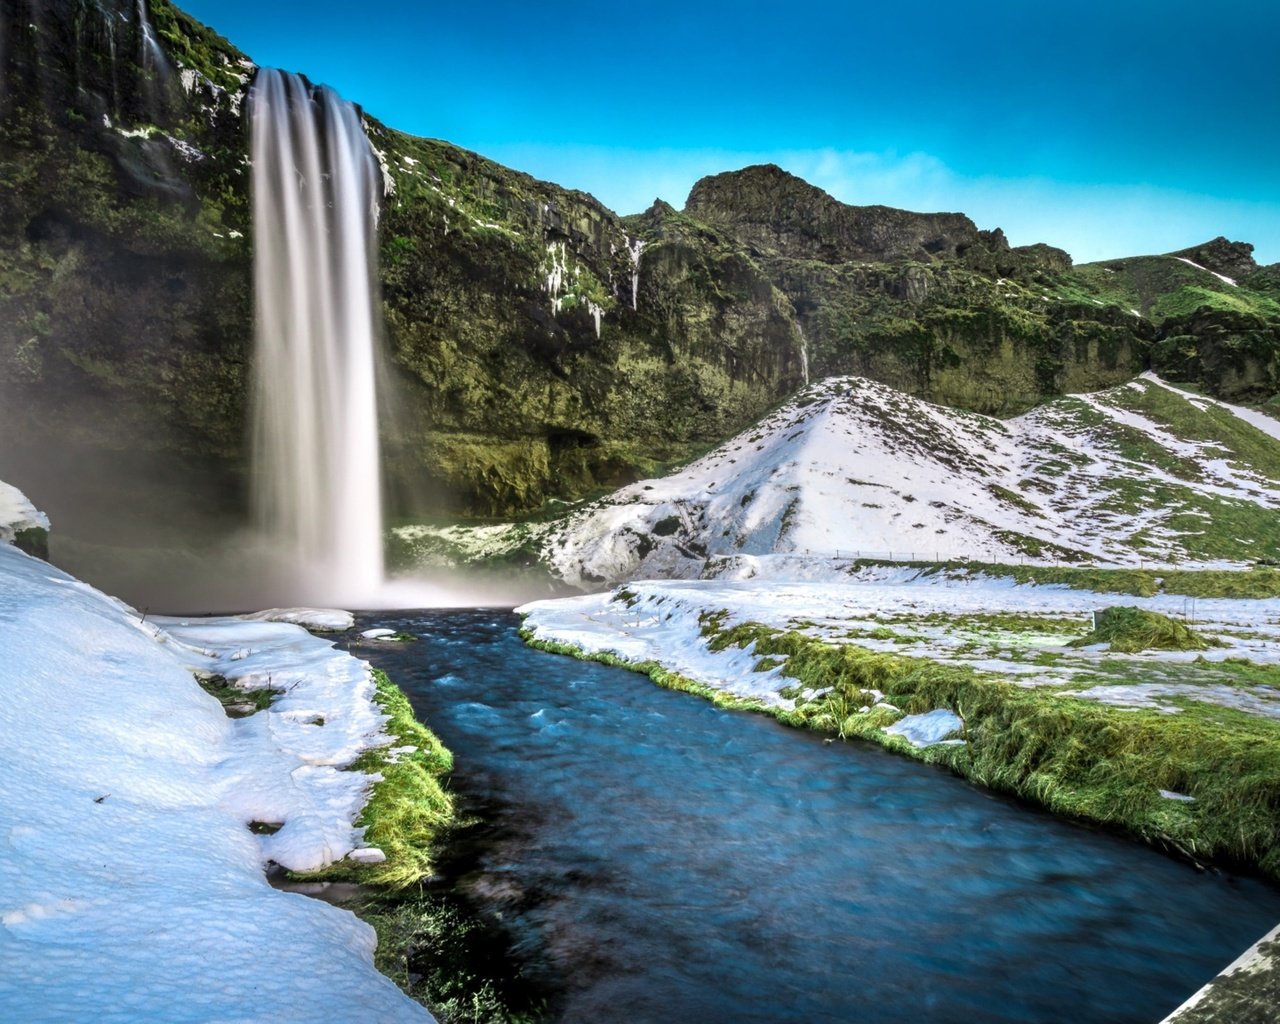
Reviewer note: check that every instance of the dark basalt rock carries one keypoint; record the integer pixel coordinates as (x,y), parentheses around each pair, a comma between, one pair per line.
(1231,259)
(766,207)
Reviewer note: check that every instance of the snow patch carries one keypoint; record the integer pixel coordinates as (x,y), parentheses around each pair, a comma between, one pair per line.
(1221,277)
(854,469)
(927,729)
(18,514)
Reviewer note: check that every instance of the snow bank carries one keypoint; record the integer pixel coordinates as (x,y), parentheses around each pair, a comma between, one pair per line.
(17,513)
(927,729)
(131,888)
(661,621)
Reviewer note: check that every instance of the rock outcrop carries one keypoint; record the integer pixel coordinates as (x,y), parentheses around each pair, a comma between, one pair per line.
(765,207)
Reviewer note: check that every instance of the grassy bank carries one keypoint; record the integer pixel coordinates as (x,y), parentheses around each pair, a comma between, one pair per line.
(1076,757)
(409,810)
(431,942)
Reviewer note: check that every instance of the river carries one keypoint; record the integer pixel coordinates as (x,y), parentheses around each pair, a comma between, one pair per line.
(661,860)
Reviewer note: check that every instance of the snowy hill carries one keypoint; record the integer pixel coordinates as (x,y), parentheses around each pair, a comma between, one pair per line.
(1143,472)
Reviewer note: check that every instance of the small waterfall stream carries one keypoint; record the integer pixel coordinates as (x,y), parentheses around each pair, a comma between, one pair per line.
(153,58)
(317,482)
(635,246)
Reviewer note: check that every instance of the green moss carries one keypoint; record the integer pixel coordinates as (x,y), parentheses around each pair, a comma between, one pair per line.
(34,541)
(234,699)
(409,810)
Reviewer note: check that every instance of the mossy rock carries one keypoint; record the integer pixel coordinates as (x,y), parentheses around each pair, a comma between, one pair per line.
(34,541)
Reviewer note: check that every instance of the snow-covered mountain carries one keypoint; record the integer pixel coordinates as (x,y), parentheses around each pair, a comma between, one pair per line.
(1143,472)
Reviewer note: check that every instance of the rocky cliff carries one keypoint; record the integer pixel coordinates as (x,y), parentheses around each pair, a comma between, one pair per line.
(542,346)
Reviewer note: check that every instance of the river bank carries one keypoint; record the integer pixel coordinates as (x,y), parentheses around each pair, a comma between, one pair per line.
(1180,748)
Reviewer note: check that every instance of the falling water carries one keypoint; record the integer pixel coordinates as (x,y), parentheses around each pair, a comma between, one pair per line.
(804,353)
(635,247)
(316,186)
(153,58)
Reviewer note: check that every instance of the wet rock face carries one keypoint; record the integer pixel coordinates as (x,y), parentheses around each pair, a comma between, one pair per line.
(125,303)
(768,208)
(545,347)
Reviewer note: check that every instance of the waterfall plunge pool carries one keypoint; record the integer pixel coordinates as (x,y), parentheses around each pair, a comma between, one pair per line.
(659,859)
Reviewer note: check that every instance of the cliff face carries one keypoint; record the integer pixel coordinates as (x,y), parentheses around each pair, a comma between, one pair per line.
(542,346)
(545,348)
(924,302)
(765,207)
(124,261)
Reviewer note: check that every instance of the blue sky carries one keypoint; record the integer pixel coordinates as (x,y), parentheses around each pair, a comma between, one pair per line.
(1107,129)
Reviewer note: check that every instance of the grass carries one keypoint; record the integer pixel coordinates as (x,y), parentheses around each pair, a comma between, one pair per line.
(1160,287)
(1016,500)
(1248,447)
(1075,757)
(409,810)
(1002,624)
(441,953)
(1130,630)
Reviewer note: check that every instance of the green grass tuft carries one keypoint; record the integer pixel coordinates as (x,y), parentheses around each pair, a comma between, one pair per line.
(1129,630)
(409,810)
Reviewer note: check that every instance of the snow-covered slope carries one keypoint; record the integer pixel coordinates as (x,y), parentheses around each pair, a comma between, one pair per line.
(1142,472)
(131,888)
(18,514)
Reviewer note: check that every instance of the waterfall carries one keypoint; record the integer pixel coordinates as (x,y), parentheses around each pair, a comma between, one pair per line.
(153,58)
(635,247)
(804,353)
(317,483)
